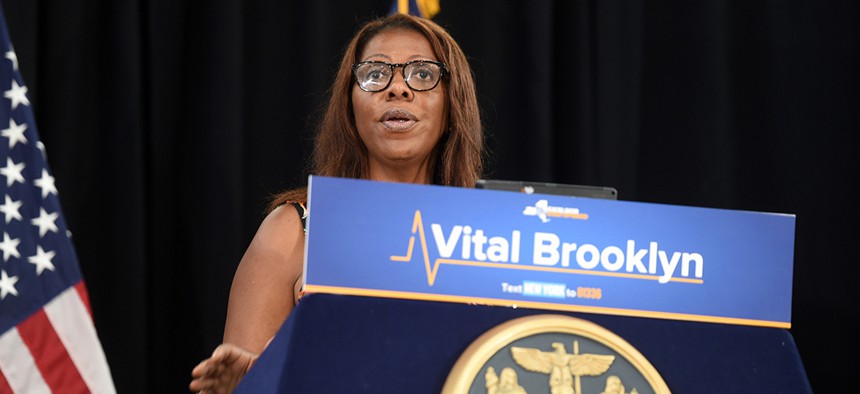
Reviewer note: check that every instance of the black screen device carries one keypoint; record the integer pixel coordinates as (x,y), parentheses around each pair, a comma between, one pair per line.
(560,189)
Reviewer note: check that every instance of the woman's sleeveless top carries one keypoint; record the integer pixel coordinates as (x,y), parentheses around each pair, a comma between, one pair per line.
(298,292)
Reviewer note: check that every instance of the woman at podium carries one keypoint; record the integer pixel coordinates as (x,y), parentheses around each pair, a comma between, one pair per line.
(402,108)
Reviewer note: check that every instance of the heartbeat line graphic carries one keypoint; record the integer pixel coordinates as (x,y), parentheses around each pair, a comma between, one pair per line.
(433,270)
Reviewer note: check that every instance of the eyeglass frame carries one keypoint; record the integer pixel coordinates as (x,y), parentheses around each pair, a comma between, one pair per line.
(443,71)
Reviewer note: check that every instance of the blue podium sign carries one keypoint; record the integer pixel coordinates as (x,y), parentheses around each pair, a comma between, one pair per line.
(549,252)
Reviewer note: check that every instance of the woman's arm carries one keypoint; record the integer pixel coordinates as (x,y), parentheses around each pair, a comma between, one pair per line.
(262,294)
(261,297)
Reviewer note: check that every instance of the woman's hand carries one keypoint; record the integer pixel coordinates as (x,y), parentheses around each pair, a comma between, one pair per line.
(221,373)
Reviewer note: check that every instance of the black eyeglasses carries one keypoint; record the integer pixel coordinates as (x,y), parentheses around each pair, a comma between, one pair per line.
(420,75)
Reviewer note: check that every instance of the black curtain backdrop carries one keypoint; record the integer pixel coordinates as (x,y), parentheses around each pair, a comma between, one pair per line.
(169,123)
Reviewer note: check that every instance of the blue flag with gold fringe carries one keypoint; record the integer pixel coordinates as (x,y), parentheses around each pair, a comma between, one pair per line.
(423,8)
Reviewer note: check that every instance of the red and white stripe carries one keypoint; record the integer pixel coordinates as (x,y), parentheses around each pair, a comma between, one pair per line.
(55,350)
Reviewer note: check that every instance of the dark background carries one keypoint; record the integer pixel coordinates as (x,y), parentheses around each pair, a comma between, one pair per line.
(169,123)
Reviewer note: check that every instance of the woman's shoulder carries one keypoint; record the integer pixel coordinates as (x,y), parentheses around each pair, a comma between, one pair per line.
(282,225)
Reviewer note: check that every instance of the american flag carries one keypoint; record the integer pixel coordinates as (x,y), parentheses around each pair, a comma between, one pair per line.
(48,342)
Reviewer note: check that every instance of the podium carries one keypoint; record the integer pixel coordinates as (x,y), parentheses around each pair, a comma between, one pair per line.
(353,344)
(402,281)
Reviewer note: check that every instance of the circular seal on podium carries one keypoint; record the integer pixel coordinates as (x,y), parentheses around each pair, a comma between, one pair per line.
(552,354)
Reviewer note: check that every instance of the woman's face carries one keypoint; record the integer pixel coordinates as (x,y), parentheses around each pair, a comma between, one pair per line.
(399,126)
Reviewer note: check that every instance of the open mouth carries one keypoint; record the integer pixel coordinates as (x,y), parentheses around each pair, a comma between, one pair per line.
(398,119)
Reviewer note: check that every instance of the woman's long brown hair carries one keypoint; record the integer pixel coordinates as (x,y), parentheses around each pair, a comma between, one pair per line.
(338,149)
